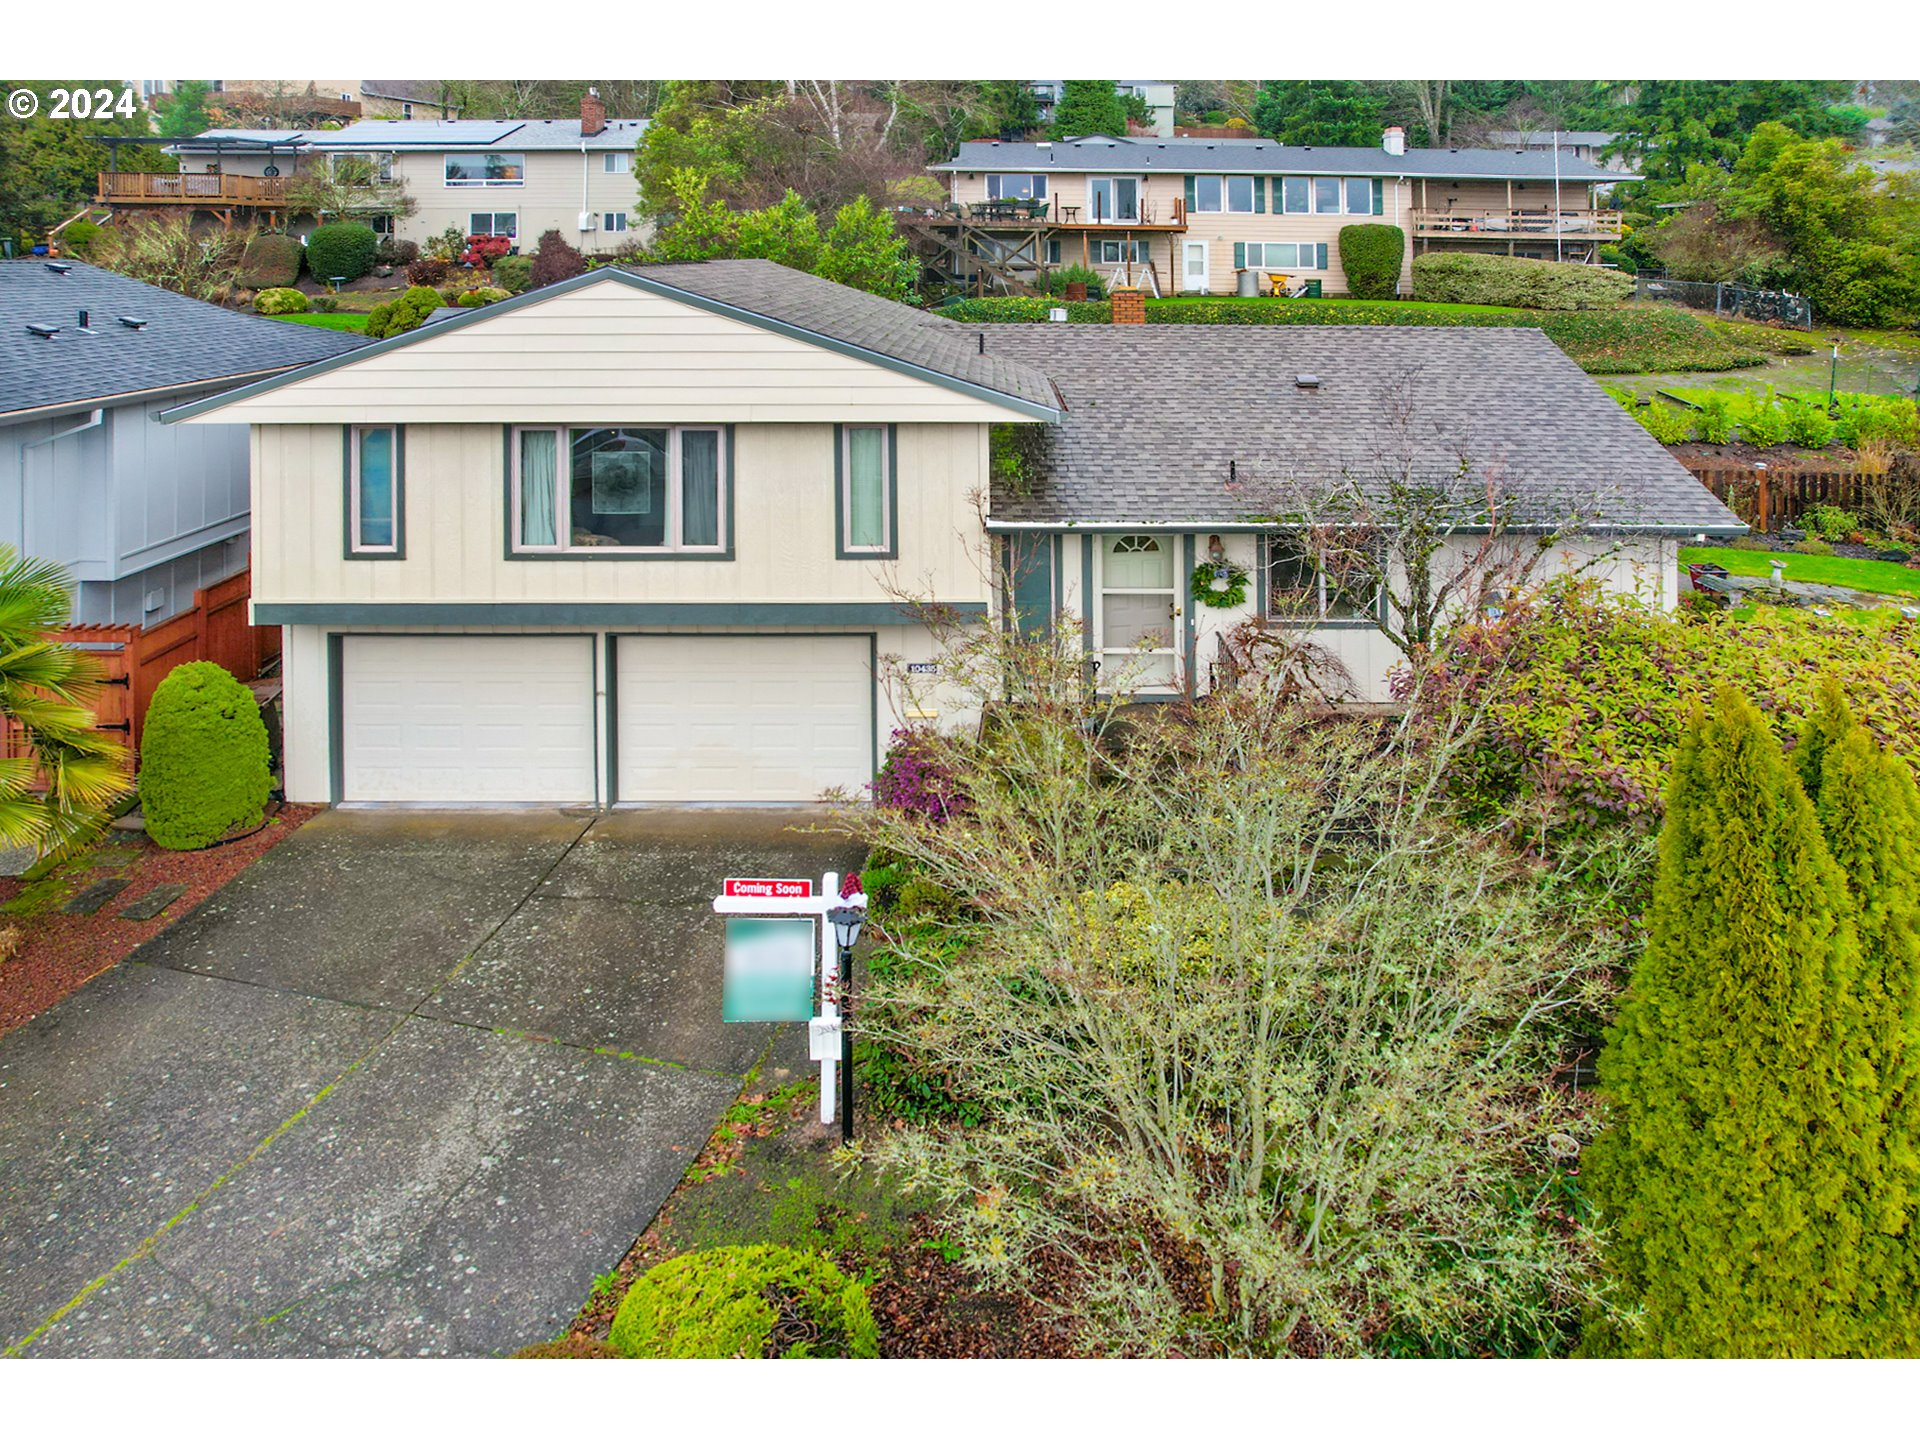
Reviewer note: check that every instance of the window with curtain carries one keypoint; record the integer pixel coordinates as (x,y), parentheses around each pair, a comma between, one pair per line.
(374,502)
(591,489)
(1016,187)
(864,476)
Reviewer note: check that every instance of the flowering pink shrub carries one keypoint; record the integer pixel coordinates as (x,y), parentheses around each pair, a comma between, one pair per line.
(917,777)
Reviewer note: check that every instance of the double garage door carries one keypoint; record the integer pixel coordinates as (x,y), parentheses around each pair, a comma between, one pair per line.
(490,719)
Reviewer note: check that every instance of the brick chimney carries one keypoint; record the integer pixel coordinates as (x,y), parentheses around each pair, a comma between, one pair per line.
(1129,305)
(1394,140)
(593,114)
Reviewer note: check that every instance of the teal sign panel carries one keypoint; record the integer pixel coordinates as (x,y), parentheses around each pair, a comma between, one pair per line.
(769,970)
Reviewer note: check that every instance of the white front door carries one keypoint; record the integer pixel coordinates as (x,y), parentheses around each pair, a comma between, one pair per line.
(1193,267)
(1137,622)
(742,718)
(465,719)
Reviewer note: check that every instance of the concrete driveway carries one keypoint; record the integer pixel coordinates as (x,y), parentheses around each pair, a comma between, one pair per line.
(404,1088)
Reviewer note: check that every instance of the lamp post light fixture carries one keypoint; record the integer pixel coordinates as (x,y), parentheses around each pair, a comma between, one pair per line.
(1833,371)
(847,921)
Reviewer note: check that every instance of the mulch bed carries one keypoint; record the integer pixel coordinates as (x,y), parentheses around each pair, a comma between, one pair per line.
(59,953)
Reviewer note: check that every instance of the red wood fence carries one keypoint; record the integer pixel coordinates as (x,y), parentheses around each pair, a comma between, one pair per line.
(1769,497)
(134,661)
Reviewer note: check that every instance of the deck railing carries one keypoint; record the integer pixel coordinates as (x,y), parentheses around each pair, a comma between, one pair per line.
(136,187)
(1504,224)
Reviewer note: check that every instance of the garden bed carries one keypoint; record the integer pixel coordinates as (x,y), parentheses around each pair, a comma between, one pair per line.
(56,953)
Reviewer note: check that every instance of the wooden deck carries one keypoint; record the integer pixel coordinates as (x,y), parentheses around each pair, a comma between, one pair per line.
(206,192)
(1517,224)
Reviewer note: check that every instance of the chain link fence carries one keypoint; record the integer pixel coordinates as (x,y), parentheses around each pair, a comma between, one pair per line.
(1729,302)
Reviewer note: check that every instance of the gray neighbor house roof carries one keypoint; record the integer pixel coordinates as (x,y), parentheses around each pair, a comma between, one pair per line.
(180,342)
(1145,155)
(1182,425)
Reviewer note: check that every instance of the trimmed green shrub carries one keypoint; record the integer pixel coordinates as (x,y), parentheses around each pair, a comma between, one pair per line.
(203,758)
(1762,422)
(323,304)
(1371,256)
(344,248)
(1327,312)
(280,301)
(271,261)
(409,312)
(727,1303)
(1025,309)
(1058,280)
(485,295)
(513,273)
(75,239)
(1741,1163)
(1463,278)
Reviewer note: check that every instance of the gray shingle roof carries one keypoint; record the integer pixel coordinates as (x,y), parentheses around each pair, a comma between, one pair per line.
(857,318)
(184,341)
(1143,155)
(475,134)
(1171,424)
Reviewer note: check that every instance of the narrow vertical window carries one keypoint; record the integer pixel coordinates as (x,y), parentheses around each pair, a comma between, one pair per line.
(699,487)
(373,491)
(866,493)
(539,488)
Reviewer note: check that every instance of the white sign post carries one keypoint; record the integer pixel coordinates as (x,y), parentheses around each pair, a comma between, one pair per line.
(826,1041)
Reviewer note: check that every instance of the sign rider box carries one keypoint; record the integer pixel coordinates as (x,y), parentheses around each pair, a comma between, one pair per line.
(767,889)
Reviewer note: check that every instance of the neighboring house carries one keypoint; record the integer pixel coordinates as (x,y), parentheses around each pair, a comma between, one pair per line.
(650,535)
(1188,214)
(1158,95)
(1587,145)
(406,100)
(141,514)
(519,178)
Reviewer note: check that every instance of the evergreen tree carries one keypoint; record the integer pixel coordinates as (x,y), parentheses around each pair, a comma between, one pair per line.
(1320,112)
(1736,1169)
(1870,813)
(1089,107)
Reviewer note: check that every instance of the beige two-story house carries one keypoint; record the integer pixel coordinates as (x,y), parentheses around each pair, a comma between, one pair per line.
(1190,216)
(687,533)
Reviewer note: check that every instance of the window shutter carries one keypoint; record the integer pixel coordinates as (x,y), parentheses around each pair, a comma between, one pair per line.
(1379,197)
(1189,194)
(1239,255)
(1259,194)
(1322,258)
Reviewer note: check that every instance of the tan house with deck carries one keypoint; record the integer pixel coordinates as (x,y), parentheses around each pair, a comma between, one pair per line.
(1188,216)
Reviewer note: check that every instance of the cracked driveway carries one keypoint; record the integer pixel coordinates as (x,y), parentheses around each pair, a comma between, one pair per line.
(403,1088)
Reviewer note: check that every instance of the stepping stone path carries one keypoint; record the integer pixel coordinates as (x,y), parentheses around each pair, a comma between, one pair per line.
(94,896)
(153,902)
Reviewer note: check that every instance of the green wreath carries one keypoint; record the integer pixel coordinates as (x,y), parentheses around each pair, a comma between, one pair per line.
(1201,587)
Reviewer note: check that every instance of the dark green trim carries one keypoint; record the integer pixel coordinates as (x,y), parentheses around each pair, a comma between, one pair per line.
(873,709)
(840,550)
(748,614)
(639,282)
(1190,636)
(1088,602)
(1059,584)
(604,552)
(336,718)
(613,724)
(399,551)
(1262,601)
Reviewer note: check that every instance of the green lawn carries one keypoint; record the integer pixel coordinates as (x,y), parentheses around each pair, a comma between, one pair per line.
(354,323)
(1881,577)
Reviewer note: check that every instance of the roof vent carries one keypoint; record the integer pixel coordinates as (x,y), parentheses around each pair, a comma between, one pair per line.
(1306,382)
(59,267)
(45,332)
(133,322)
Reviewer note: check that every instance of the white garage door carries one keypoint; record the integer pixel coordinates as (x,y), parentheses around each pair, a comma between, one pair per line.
(743,718)
(465,718)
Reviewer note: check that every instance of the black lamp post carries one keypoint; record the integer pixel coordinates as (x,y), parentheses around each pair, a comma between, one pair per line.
(846,921)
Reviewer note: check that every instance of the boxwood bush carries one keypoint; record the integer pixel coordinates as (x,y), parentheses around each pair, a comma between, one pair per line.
(409,312)
(513,273)
(203,758)
(345,248)
(1467,279)
(270,261)
(280,301)
(730,1302)
(1371,256)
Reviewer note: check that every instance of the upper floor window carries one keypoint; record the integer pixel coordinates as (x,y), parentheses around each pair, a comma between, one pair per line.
(1223,194)
(1326,195)
(867,493)
(617,162)
(493,167)
(1113,197)
(1016,187)
(621,488)
(353,167)
(376,510)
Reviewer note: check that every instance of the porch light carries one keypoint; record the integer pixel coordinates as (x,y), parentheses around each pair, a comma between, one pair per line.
(846,921)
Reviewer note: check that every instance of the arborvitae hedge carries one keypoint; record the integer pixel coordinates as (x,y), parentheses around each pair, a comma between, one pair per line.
(1371,256)
(1743,1147)
(345,249)
(203,758)
(272,260)
(1464,278)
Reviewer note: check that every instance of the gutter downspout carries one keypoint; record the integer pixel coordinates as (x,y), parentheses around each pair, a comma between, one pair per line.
(94,421)
(583,176)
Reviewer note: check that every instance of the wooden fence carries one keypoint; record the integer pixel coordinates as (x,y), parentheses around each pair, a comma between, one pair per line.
(1769,497)
(134,661)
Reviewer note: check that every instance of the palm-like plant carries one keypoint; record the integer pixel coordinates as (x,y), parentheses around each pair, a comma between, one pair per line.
(55,793)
